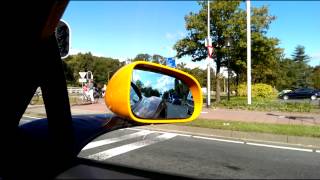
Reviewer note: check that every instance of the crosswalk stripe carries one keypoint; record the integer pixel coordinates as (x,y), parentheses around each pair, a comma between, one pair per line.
(117,139)
(103,155)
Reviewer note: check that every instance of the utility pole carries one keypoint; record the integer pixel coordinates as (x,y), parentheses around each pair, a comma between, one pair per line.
(248,51)
(208,59)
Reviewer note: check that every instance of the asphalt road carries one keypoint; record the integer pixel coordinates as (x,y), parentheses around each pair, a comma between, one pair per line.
(176,111)
(200,157)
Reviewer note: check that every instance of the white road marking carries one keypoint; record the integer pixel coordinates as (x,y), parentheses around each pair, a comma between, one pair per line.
(203,112)
(238,142)
(117,139)
(215,139)
(129,147)
(31,117)
(280,147)
(177,134)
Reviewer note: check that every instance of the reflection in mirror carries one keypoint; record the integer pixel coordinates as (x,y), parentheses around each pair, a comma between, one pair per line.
(158,96)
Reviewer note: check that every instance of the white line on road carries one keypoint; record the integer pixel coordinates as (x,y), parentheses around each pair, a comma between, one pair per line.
(280,147)
(215,139)
(238,142)
(129,147)
(177,134)
(203,112)
(117,139)
(31,117)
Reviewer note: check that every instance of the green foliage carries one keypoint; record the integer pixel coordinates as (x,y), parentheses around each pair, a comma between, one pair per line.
(267,104)
(101,67)
(156,58)
(228,20)
(315,77)
(293,130)
(258,90)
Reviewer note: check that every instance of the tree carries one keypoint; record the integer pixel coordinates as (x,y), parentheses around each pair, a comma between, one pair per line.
(302,69)
(228,21)
(99,66)
(315,77)
(142,57)
(299,54)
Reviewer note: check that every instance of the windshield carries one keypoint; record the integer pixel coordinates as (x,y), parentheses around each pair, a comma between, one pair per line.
(250,126)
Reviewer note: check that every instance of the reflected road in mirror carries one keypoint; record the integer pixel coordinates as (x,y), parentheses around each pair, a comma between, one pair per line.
(157,96)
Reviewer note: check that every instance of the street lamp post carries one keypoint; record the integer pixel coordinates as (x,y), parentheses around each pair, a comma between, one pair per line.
(228,59)
(248,50)
(208,59)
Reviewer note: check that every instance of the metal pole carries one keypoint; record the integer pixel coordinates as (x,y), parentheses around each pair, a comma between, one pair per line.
(248,52)
(228,76)
(208,59)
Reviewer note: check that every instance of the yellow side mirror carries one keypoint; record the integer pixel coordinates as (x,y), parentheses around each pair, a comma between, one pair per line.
(151,93)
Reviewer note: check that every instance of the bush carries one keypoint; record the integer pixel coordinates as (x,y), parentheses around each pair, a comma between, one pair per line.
(258,90)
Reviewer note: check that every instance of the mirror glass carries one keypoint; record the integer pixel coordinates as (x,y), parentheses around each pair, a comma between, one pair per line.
(62,34)
(157,96)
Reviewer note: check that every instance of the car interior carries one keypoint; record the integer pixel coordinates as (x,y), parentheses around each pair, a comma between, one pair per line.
(48,148)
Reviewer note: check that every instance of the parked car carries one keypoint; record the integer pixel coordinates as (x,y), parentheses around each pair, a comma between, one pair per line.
(189,103)
(301,93)
(284,91)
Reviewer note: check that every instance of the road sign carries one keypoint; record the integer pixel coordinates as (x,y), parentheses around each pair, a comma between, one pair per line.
(82,80)
(171,62)
(82,74)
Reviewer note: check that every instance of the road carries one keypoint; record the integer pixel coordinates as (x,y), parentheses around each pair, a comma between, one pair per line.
(176,111)
(200,157)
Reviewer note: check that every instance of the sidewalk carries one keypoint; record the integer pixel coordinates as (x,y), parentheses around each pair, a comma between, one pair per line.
(261,117)
(221,114)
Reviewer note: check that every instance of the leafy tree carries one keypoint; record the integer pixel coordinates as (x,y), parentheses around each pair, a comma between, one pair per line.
(315,77)
(302,69)
(228,21)
(139,84)
(99,66)
(142,57)
(299,54)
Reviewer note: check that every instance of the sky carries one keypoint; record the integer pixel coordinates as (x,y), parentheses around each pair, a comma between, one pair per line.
(157,81)
(123,29)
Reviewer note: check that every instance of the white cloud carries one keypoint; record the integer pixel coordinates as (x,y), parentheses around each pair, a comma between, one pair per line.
(170,36)
(164,83)
(175,36)
(147,83)
(136,76)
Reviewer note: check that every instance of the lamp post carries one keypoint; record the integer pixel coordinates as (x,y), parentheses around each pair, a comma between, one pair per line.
(208,42)
(248,7)
(228,44)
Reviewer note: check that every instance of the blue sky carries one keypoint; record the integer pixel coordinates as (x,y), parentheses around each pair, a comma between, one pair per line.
(121,29)
(155,80)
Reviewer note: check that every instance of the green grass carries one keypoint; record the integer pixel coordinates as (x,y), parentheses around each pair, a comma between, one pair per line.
(263,104)
(293,130)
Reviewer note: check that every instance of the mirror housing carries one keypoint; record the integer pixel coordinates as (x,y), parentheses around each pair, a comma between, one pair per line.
(63,34)
(117,96)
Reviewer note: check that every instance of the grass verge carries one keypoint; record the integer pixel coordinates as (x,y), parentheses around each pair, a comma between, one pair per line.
(263,104)
(292,130)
